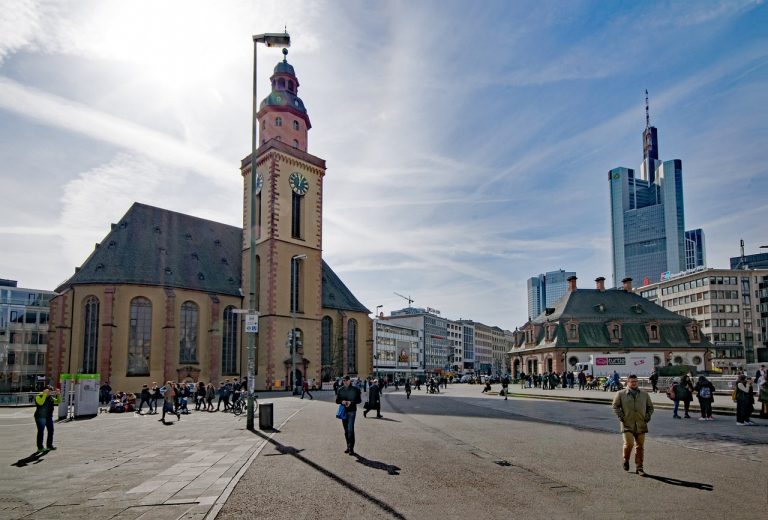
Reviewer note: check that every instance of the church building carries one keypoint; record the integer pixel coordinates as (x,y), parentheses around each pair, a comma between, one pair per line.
(157,298)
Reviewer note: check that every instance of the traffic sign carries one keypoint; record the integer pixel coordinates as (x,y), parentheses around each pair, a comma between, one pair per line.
(252,323)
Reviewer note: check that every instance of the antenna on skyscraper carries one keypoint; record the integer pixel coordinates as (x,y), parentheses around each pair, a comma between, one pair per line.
(647,115)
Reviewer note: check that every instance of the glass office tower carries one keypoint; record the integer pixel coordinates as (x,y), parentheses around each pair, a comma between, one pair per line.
(694,249)
(545,289)
(647,217)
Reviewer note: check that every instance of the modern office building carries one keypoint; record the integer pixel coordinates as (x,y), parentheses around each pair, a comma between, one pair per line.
(438,350)
(647,216)
(727,305)
(695,249)
(545,289)
(468,341)
(761,354)
(398,351)
(757,261)
(24,316)
(456,339)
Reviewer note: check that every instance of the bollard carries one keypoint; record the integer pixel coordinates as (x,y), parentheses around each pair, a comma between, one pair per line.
(265,416)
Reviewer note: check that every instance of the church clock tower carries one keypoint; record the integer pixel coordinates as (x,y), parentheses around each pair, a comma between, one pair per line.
(288,192)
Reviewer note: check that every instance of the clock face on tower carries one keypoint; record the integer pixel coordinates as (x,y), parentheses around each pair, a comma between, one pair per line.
(299,183)
(258,183)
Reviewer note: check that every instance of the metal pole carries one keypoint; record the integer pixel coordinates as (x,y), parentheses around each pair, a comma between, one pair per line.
(252,253)
(292,375)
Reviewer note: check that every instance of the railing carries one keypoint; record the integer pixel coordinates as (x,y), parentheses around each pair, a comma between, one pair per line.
(18,399)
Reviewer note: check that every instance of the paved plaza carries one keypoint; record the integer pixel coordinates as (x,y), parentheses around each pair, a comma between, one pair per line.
(458,454)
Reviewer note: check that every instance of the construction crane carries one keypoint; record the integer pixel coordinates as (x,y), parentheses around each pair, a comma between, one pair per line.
(410,300)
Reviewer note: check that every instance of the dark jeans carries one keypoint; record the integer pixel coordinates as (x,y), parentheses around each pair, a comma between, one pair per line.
(44,423)
(349,429)
(142,404)
(305,392)
(706,407)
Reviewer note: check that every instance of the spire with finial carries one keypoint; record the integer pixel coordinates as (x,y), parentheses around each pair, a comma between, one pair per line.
(650,139)
(647,115)
(285,60)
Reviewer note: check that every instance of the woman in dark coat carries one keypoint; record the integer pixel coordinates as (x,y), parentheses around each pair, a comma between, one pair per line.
(705,391)
(684,393)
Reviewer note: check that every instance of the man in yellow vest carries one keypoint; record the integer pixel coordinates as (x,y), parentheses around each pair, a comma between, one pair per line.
(44,419)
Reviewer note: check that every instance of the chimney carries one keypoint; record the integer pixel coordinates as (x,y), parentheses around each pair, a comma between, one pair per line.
(600,283)
(627,284)
(571,284)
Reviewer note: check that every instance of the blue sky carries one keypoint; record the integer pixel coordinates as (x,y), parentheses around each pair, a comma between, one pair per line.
(467,143)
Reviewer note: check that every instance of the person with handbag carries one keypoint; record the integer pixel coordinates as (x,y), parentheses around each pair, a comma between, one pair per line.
(348,396)
(168,401)
(374,400)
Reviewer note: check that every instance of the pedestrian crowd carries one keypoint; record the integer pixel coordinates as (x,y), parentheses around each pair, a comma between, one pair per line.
(176,398)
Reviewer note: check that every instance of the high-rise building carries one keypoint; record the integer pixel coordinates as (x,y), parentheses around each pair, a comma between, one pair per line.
(647,216)
(545,289)
(695,255)
(23,337)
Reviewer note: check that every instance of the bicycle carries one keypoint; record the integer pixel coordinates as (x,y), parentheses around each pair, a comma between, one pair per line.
(241,405)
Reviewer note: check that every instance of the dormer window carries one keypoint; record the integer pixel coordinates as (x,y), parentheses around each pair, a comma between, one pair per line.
(695,333)
(572,331)
(654,332)
(614,331)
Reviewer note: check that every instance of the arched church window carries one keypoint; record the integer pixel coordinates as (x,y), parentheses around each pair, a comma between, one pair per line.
(295,125)
(352,346)
(229,342)
(297,203)
(326,337)
(278,121)
(281,84)
(188,332)
(291,86)
(90,335)
(295,143)
(139,337)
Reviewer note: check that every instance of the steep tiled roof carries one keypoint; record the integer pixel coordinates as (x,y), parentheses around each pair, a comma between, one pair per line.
(585,304)
(336,295)
(593,310)
(154,246)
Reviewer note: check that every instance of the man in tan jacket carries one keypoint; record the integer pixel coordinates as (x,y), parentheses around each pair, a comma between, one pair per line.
(633,407)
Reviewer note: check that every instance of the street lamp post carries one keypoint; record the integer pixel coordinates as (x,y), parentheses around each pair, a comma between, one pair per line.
(294,306)
(270,40)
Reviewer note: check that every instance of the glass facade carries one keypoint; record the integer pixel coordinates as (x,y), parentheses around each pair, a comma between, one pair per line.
(24,317)
(694,249)
(397,350)
(545,289)
(647,221)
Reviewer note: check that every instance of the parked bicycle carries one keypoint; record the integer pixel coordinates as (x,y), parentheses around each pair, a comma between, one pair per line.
(241,404)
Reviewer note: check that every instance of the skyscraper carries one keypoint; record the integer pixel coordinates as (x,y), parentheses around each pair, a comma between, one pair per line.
(647,215)
(545,289)
(694,249)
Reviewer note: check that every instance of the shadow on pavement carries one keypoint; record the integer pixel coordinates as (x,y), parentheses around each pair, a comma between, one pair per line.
(35,458)
(375,464)
(682,483)
(289,450)
(384,419)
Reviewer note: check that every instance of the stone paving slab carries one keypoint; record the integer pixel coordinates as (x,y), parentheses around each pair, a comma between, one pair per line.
(125,466)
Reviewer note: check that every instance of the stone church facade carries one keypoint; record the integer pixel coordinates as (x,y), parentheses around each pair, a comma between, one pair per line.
(156,300)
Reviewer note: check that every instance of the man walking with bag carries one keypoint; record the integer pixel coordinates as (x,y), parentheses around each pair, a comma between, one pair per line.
(634,408)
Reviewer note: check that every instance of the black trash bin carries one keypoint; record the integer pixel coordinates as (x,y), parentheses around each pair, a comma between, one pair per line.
(266,417)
